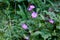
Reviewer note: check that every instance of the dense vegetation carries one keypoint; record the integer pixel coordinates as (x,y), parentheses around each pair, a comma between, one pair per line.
(29,19)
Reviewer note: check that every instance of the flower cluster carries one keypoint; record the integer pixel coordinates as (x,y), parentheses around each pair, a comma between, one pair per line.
(34,14)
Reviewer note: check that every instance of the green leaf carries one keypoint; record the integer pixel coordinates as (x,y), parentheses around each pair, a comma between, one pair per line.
(36,33)
(45,34)
(58,27)
(21,12)
(1,0)
(42,17)
(19,0)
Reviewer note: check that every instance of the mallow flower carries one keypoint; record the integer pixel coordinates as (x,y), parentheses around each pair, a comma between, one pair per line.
(34,14)
(24,26)
(51,21)
(31,7)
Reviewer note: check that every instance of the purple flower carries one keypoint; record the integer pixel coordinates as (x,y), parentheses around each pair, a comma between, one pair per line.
(24,26)
(31,7)
(51,21)
(34,14)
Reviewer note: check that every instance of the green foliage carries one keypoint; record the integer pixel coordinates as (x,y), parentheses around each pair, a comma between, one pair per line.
(15,12)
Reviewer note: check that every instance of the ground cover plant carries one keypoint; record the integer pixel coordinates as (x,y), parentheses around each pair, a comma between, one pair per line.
(29,19)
